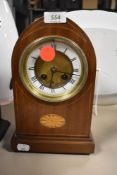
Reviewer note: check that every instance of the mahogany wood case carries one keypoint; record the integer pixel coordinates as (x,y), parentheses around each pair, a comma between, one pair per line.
(75,135)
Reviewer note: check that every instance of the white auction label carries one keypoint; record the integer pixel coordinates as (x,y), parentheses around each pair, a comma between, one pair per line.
(23,147)
(55,17)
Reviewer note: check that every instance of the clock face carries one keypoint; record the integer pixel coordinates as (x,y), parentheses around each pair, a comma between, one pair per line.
(53,68)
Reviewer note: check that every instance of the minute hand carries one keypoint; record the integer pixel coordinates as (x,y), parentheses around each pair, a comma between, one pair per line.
(67,73)
(51,80)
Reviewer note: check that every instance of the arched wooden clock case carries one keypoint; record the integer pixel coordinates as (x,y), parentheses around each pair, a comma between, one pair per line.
(53,126)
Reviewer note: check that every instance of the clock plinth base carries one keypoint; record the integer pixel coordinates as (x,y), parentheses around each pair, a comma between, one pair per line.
(65,145)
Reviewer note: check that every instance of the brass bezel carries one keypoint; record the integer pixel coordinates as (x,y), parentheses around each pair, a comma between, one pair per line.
(39,94)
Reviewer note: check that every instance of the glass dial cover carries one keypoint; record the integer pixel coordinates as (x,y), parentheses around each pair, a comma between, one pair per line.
(56,80)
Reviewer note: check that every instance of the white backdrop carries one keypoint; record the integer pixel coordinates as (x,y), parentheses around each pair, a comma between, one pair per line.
(8,37)
(101,27)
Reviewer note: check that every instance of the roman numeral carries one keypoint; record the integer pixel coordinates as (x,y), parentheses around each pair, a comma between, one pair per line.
(31,68)
(74,59)
(75,70)
(41,87)
(53,44)
(72,81)
(64,88)
(34,79)
(65,50)
(34,58)
(52,91)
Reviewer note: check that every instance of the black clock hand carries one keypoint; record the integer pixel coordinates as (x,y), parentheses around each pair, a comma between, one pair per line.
(67,73)
(51,79)
(53,70)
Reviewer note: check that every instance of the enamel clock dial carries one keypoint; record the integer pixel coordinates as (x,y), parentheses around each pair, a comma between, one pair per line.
(59,78)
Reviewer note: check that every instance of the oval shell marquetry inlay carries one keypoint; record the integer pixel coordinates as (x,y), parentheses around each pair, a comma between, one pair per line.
(52,121)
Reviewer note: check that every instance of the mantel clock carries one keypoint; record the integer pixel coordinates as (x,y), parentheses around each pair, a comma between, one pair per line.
(53,69)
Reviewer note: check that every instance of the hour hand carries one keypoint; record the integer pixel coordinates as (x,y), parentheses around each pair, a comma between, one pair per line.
(66,73)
